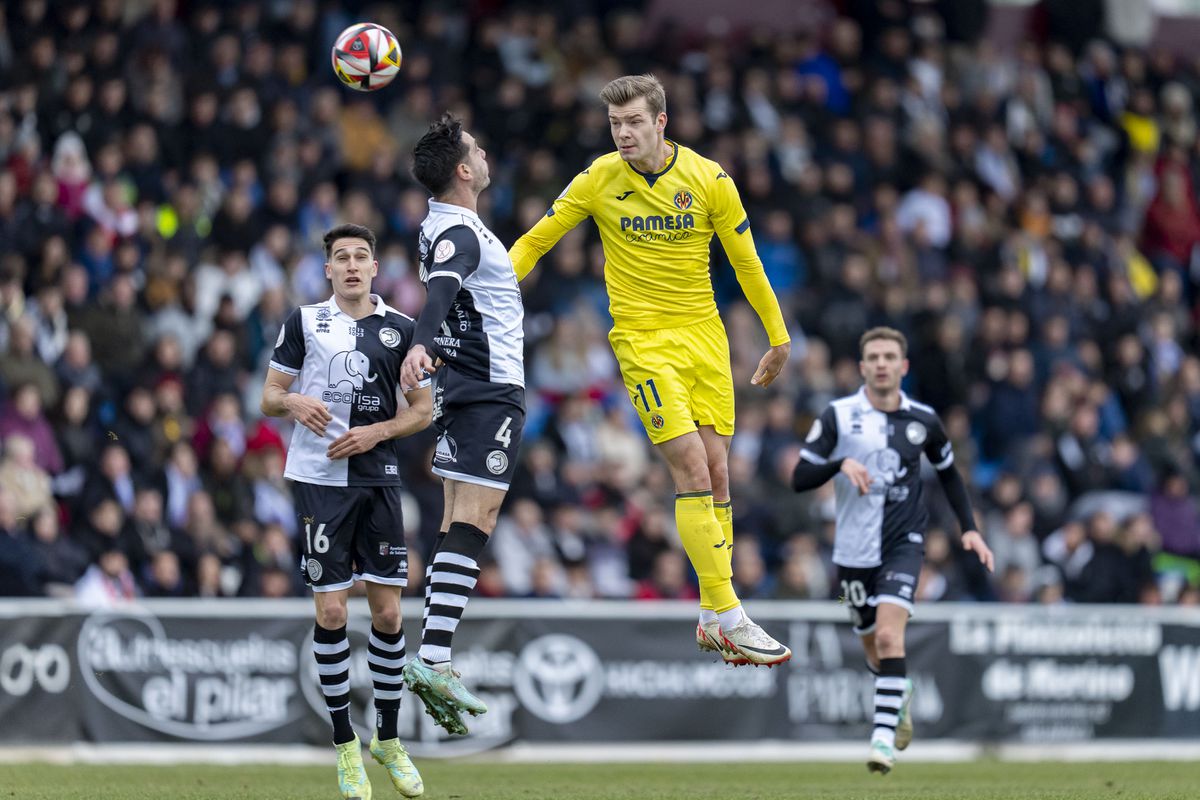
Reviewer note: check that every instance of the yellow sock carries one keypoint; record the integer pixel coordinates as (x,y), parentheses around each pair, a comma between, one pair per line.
(705,545)
(724,514)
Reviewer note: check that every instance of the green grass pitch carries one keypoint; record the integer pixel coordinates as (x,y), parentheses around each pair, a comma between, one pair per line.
(451,780)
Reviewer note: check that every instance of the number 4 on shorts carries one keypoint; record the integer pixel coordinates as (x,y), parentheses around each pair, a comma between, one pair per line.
(504,435)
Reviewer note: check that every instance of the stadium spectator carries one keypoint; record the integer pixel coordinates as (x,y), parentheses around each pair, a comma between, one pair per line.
(23,415)
(28,485)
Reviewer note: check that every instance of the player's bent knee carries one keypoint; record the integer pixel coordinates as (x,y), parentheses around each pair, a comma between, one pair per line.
(889,642)
(331,615)
(485,520)
(691,475)
(387,619)
(718,476)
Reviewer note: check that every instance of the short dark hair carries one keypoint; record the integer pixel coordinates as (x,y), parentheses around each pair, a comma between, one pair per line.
(438,153)
(348,230)
(886,334)
(628,88)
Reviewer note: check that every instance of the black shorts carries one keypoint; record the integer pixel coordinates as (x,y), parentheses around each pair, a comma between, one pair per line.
(893,581)
(479,426)
(350,533)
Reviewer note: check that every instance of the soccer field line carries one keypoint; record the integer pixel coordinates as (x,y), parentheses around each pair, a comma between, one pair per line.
(778,751)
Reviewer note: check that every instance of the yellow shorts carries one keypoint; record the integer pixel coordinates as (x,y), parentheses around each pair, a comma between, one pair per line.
(677,378)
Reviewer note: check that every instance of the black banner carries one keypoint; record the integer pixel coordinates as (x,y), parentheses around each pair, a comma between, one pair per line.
(597,672)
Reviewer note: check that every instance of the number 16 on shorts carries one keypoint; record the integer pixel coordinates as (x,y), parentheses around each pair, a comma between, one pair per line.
(315,541)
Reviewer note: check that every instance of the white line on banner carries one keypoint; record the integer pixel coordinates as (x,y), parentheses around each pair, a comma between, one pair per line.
(929,751)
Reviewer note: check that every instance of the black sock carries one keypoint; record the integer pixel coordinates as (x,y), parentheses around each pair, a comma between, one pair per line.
(455,568)
(331,648)
(385,659)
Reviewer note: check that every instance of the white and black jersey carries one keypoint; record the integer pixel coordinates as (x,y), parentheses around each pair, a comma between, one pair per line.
(482,336)
(353,367)
(889,445)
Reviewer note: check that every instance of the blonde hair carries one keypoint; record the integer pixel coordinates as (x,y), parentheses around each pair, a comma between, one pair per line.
(628,88)
(885,334)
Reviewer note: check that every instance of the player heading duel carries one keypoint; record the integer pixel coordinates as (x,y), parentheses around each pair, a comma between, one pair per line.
(657,205)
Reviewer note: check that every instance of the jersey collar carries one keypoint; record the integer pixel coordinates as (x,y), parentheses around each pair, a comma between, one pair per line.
(380,306)
(651,177)
(450,208)
(865,402)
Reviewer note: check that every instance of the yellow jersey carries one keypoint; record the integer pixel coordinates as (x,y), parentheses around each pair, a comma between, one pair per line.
(656,229)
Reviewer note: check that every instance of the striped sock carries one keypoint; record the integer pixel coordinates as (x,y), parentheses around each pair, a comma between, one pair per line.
(331,648)
(437,545)
(451,581)
(385,659)
(889,696)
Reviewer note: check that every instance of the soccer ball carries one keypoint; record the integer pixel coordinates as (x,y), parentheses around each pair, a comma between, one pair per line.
(366,57)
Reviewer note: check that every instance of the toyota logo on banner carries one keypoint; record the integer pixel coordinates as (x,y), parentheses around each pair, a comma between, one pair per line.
(559,678)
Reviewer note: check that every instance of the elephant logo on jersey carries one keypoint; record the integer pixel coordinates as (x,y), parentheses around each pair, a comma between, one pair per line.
(885,467)
(352,367)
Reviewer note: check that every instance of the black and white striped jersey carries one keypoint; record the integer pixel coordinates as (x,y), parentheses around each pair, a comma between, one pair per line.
(353,367)
(889,445)
(483,335)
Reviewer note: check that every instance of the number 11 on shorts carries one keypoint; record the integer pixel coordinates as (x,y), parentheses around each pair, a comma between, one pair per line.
(653,392)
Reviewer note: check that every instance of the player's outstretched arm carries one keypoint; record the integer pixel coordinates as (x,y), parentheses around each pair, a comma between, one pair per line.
(771,364)
(956,492)
(809,475)
(455,257)
(277,401)
(419,363)
(733,229)
(410,419)
(565,213)
(528,250)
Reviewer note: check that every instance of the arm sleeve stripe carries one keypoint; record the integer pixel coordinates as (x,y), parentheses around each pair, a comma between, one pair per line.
(745,226)
(275,365)
(813,458)
(445,273)
(944,463)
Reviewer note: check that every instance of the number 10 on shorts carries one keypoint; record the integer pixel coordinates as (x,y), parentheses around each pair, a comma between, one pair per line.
(653,392)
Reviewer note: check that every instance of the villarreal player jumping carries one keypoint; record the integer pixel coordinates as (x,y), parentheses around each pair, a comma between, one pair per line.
(657,205)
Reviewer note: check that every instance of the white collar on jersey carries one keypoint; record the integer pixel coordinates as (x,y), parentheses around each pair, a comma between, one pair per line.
(381,307)
(865,402)
(450,208)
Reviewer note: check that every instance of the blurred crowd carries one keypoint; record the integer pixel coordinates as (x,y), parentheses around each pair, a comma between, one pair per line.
(1029,219)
